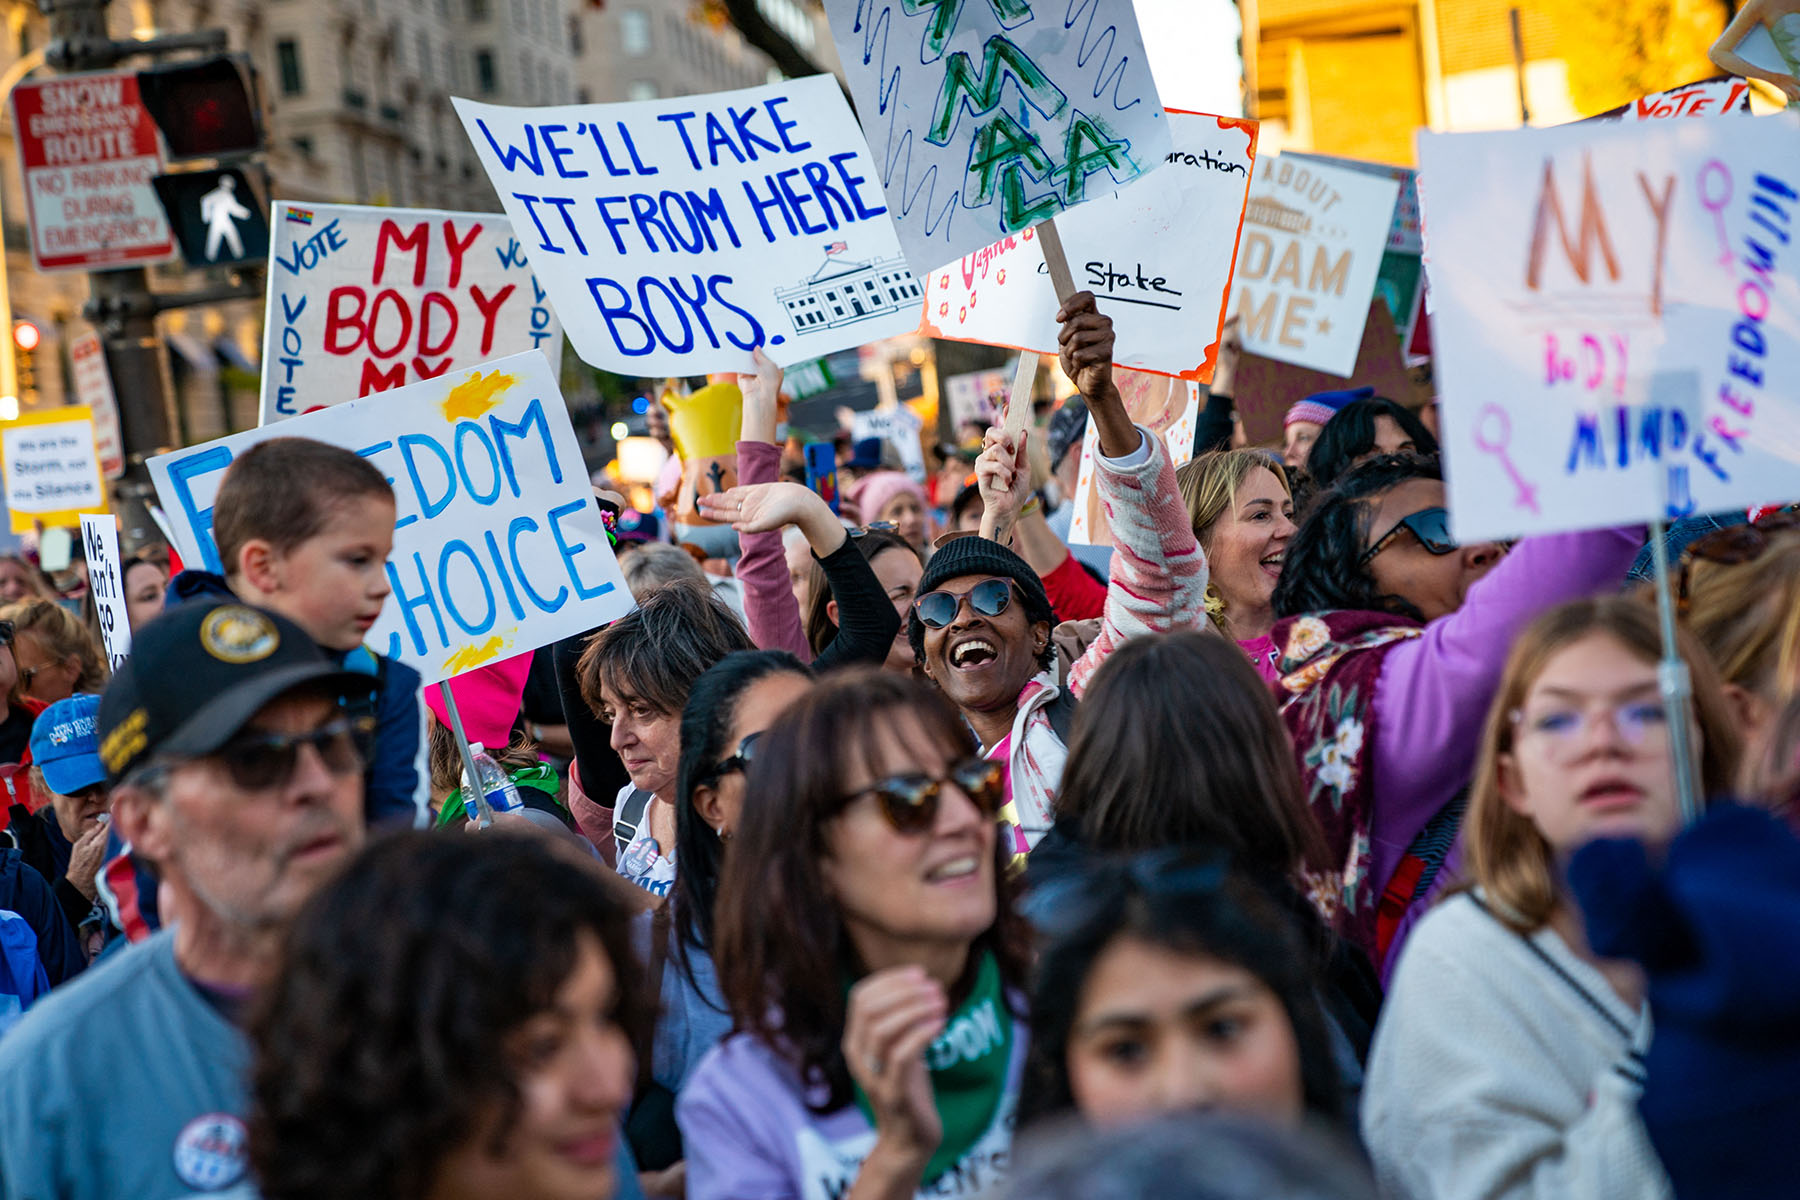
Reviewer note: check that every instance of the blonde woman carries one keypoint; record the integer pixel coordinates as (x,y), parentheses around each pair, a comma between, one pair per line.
(56,654)
(1508,1059)
(1243,515)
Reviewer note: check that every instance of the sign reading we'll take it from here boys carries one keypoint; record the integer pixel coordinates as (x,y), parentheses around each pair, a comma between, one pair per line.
(675,236)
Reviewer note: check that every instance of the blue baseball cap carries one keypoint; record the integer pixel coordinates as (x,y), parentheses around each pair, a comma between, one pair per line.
(65,744)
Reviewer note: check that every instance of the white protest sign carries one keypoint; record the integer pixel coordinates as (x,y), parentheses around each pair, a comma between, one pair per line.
(365,300)
(964,158)
(1157,256)
(1307,261)
(675,235)
(93,387)
(106,583)
(1169,408)
(52,467)
(900,428)
(1616,320)
(498,545)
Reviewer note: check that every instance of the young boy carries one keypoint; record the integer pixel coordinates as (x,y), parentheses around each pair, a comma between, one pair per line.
(304,530)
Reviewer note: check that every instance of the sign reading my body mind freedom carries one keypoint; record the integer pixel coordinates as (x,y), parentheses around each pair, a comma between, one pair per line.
(675,235)
(1157,256)
(498,545)
(1616,320)
(967,159)
(364,300)
(1308,259)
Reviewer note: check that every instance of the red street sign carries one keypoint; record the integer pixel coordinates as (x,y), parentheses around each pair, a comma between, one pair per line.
(88,151)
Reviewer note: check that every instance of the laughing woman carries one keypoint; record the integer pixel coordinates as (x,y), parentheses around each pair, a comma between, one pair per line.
(871,959)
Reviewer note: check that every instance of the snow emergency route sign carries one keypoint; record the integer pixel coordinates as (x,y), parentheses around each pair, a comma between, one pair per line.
(88,151)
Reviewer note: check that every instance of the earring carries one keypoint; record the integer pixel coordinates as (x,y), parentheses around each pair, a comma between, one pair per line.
(724,834)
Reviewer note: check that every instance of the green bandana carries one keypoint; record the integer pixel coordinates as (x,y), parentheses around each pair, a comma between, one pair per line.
(969,1063)
(539,777)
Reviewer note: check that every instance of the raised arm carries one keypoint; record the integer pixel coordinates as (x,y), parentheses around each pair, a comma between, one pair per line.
(1725,56)
(770,611)
(1010,516)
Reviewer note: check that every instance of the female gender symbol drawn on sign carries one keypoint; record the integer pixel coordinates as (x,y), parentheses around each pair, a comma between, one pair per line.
(1717,207)
(1493,434)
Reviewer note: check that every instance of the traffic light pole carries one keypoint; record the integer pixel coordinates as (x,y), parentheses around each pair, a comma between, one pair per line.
(121,304)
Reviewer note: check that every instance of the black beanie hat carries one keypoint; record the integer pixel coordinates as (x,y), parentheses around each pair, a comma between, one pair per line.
(976,555)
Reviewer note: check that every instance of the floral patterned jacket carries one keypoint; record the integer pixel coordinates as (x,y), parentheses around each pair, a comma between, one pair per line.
(1330,664)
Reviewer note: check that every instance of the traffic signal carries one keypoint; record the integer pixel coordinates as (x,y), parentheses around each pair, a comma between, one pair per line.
(205,109)
(26,337)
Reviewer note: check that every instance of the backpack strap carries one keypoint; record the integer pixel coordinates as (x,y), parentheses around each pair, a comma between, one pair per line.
(1061,713)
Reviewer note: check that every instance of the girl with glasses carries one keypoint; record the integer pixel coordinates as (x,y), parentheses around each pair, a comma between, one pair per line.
(1392,638)
(1508,1059)
(871,959)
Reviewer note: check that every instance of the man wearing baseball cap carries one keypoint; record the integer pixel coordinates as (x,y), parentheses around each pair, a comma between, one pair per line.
(65,840)
(240,781)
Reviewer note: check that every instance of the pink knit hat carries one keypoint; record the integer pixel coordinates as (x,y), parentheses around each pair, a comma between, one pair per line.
(873,492)
(487,700)
(1320,407)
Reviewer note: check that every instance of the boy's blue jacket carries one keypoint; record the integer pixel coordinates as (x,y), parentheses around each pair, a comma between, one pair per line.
(397,785)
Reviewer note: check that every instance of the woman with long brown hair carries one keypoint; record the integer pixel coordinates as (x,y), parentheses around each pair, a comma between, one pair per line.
(871,959)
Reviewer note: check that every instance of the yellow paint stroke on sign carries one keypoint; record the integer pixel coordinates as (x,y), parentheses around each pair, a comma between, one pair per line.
(470,657)
(472,399)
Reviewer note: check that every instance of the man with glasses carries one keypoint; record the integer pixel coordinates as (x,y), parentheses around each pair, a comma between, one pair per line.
(65,840)
(238,778)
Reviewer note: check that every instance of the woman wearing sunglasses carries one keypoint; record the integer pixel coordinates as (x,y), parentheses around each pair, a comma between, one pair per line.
(1171,980)
(981,626)
(1508,1061)
(865,623)
(871,959)
(1393,638)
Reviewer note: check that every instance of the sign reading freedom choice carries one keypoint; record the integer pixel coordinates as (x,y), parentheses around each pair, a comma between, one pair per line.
(88,150)
(674,236)
(989,116)
(498,545)
(365,300)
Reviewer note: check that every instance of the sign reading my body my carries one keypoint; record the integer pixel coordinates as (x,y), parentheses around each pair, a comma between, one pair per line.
(366,300)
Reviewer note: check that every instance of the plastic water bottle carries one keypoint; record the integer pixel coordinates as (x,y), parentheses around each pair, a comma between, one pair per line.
(496,787)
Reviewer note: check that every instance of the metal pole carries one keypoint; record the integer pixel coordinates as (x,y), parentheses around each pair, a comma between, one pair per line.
(1675,684)
(1518,41)
(484,815)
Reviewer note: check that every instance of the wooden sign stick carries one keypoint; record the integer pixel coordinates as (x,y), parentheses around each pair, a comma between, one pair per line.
(1054,258)
(1017,417)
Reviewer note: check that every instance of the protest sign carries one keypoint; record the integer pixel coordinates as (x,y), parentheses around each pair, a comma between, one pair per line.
(1401,275)
(1705,98)
(1615,320)
(365,300)
(1266,389)
(964,159)
(93,387)
(1157,256)
(976,397)
(900,428)
(498,544)
(1308,259)
(675,235)
(106,583)
(1168,408)
(52,467)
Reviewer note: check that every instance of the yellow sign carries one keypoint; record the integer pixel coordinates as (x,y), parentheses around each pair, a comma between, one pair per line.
(52,467)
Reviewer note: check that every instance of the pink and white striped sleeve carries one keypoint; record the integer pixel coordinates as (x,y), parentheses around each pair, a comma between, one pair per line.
(1158,569)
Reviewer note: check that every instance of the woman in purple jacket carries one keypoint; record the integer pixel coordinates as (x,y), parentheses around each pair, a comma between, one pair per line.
(871,958)
(1393,638)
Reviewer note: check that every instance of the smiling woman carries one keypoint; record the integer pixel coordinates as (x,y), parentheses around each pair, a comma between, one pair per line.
(870,956)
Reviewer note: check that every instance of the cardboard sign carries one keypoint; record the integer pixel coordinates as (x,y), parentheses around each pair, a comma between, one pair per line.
(88,150)
(1615,320)
(1266,389)
(366,300)
(1706,98)
(1157,256)
(498,545)
(675,235)
(967,159)
(975,397)
(52,467)
(899,427)
(93,387)
(1312,246)
(1167,407)
(106,584)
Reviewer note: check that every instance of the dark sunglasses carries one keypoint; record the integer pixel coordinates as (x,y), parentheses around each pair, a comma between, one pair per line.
(990,598)
(1071,899)
(910,801)
(1732,546)
(264,762)
(1430,525)
(737,762)
(6,633)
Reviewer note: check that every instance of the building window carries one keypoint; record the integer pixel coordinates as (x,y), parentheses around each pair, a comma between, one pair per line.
(478,10)
(575,43)
(634,32)
(640,89)
(303,146)
(287,58)
(485,81)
